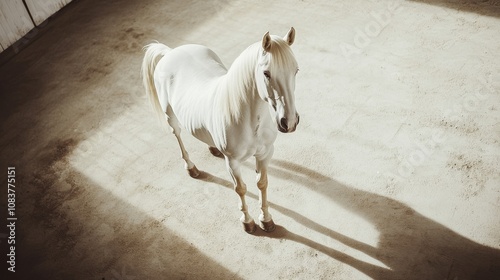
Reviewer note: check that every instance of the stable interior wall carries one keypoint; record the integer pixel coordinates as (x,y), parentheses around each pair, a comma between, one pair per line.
(17,18)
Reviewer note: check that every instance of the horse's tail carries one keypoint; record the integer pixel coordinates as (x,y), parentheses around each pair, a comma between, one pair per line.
(154,52)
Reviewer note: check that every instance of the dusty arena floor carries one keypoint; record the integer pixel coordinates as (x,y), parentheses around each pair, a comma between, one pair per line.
(393,172)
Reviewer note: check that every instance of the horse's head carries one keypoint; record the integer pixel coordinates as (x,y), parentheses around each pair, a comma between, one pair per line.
(275,78)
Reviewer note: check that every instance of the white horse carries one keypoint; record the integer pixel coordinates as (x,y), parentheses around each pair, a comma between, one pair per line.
(236,112)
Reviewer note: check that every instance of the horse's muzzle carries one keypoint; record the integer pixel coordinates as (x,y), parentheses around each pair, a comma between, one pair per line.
(283,124)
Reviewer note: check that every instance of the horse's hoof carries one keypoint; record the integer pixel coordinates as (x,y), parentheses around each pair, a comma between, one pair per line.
(249,227)
(194,172)
(267,226)
(215,152)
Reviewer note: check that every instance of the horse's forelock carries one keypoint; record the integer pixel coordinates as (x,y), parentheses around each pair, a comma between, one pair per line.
(281,53)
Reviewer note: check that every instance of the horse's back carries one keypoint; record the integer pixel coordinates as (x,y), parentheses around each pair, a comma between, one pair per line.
(188,71)
(194,59)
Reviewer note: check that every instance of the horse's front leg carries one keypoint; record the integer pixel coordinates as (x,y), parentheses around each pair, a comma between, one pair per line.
(233,167)
(262,162)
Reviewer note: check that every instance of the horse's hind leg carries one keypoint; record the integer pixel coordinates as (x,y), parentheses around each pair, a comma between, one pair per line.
(176,130)
(215,152)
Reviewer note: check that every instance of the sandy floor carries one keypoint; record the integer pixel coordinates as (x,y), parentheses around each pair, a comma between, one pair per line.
(393,173)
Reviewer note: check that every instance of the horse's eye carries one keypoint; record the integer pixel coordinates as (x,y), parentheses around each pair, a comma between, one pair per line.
(267,74)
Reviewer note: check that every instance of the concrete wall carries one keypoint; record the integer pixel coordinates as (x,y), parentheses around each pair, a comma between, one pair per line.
(18,18)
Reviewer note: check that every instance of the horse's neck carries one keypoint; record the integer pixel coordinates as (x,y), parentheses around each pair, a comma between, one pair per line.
(237,89)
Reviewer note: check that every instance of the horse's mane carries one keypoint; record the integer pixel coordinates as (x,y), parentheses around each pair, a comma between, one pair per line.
(238,85)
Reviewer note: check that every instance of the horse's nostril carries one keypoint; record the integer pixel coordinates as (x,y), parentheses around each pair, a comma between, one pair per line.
(298,119)
(284,123)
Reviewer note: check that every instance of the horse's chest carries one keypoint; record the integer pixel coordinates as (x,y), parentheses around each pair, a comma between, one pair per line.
(263,130)
(251,138)
(257,126)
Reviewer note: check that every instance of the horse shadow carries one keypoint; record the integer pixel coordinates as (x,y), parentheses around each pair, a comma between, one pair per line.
(411,245)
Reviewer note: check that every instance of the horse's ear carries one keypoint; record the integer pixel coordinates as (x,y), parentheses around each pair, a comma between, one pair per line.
(290,36)
(266,42)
